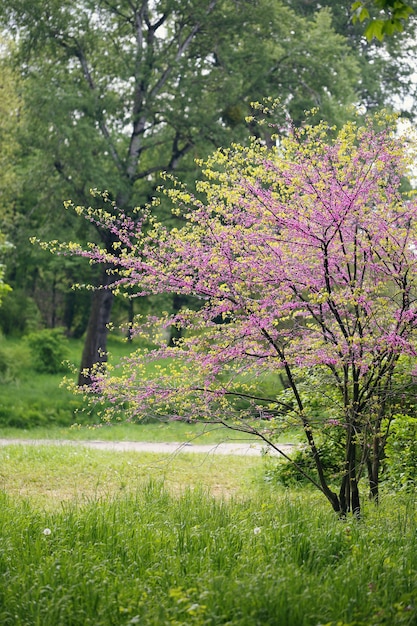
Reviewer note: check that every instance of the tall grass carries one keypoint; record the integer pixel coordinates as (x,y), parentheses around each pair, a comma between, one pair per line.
(153,559)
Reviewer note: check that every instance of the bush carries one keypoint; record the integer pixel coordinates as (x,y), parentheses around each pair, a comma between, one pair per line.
(287,474)
(21,417)
(49,349)
(401,454)
(18,314)
(8,369)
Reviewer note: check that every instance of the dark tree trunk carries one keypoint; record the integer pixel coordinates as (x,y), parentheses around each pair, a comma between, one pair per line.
(175,332)
(131,314)
(373,480)
(373,466)
(53,303)
(355,498)
(95,346)
(69,311)
(349,492)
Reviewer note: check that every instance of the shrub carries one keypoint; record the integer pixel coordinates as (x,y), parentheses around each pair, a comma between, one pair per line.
(287,474)
(18,314)
(8,368)
(401,454)
(49,349)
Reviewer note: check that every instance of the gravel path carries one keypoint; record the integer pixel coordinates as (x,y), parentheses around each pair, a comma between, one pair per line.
(240,449)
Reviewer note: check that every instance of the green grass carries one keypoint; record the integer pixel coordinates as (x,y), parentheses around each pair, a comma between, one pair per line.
(191,539)
(36,406)
(30,399)
(50,475)
(155,559)
(198,433)
(91,537)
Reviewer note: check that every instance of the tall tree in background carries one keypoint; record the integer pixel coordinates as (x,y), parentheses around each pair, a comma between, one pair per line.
(117,92)
(387,67)
(10,120)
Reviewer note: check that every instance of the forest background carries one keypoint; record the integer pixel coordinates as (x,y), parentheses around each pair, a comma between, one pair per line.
(108,95)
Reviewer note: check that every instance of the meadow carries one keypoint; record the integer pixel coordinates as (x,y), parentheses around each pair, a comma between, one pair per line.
(94,537)
(142,551)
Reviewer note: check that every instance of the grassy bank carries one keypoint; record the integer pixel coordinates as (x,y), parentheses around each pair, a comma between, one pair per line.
(34,399)
(35,405)
(153,559)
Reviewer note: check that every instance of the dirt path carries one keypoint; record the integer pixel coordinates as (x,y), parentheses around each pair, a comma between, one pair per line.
(241,449)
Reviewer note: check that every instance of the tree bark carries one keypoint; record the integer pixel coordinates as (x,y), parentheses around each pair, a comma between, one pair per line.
(95,346)
(349,493)
(175,332)
(373,466)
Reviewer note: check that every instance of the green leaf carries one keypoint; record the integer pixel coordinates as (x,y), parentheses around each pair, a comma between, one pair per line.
(388,28)
(392,26)
(364,14)
(374,29)
(358,12)
(403,13)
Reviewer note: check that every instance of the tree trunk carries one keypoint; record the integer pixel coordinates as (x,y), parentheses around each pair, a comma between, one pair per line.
(131,319)
(53,303)
(95,346)
(175,332)
(349,492)
(373,466)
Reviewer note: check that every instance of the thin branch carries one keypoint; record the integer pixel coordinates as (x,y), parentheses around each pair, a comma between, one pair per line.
(253,431)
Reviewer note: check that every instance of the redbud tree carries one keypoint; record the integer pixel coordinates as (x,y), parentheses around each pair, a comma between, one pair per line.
(303,260)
